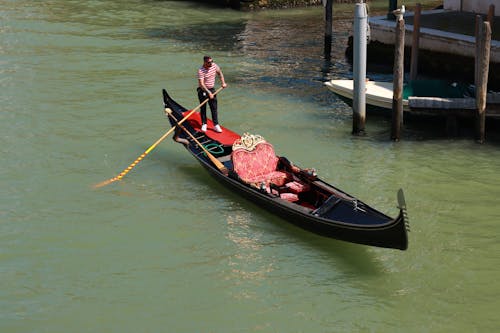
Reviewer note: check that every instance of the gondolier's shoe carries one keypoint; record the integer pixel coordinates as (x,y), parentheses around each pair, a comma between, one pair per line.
(218,129)
(204,127)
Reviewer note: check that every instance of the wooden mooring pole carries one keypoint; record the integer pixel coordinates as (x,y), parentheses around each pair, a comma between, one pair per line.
(491,15)
(397,99)
(328,28)
(415,44)
(483,38)
(359,70)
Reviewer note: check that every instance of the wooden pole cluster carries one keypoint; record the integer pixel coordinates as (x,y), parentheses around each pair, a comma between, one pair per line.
(483,44)
(397,99)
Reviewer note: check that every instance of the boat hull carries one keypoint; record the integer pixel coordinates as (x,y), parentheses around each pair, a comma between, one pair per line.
(351,220)
(420,97)
(392,235)
(378,94)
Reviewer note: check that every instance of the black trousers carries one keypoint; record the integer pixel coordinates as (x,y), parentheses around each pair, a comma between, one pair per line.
(202,95)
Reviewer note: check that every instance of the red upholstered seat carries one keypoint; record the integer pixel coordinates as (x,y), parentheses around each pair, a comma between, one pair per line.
(255,162)
(259,165)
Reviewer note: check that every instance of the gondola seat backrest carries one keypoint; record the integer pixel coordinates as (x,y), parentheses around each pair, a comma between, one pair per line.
(255,162)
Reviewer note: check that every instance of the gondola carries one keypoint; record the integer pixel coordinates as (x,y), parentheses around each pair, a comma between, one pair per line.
(248,165)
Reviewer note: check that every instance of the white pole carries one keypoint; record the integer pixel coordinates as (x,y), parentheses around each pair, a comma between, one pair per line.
(359,69)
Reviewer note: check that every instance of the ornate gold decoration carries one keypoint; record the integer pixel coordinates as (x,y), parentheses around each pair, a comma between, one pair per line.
(248,141)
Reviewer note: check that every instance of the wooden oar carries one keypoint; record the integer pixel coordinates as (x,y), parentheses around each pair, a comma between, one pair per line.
(212,158)
(131,166)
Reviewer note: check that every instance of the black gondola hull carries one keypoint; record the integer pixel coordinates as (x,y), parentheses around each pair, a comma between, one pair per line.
(392,235)
(364,226)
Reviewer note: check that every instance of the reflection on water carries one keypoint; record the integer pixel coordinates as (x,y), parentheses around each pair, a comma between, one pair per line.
(286,53)
(220,37)
(248,264)
(283,52)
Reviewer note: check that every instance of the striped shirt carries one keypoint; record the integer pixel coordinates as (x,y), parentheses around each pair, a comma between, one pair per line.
(208,75)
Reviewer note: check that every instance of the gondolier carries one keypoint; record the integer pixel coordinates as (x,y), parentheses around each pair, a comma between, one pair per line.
(206,83)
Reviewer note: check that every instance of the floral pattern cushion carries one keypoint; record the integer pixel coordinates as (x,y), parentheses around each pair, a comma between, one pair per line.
(255,162)
(292,197)
(296,187)
(259,165)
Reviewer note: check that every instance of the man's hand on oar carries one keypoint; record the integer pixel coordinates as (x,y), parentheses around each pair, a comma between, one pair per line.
(153,146)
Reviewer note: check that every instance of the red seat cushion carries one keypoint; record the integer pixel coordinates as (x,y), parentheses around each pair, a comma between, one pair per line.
(296,187)
(292,197)
(258,165)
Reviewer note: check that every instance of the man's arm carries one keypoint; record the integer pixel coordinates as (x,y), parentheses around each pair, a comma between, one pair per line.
(221,76)
(201,84)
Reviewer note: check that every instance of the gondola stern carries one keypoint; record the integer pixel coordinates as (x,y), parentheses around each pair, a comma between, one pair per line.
(403,218)
(402,209)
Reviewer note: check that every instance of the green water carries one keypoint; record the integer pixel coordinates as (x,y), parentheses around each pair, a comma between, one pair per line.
(168,249)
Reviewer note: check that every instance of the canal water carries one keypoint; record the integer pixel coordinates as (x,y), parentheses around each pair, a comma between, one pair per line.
(168,249)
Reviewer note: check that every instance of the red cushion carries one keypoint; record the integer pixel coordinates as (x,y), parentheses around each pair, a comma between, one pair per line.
(296,187)
(292,197)
(258,164)
(276,177)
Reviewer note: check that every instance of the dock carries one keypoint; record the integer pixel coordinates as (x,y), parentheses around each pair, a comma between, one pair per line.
(437,34)
(447,43)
